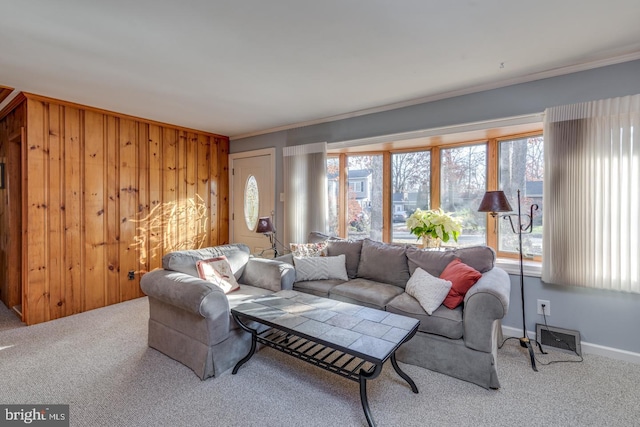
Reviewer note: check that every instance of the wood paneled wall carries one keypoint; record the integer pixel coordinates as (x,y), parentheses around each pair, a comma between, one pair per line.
(106,195)
(12,126)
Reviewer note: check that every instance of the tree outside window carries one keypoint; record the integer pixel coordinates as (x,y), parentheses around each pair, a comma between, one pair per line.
(522,168)
(512,164)
(411,189)
(463,182)
(333,191)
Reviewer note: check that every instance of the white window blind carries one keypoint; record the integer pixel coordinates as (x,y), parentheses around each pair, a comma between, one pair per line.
(592,194)
(305,190)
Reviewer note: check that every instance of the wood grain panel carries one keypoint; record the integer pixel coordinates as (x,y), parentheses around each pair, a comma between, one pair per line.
(169,190)
(221,172)
(55,226)
(190,202)
(112,212)
(203,193)
(95,225)
(181,214)
(151,226)
(141,240)
(128,207)
(73,210)
(35,286)
(104,195)
(11,134)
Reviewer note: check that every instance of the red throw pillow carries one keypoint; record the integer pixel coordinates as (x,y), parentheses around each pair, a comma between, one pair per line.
(462,278)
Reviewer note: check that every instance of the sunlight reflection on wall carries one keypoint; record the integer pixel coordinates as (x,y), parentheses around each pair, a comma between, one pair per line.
(171,226)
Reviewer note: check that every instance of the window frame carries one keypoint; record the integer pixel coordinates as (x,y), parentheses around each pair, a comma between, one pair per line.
(494,232)
(492,180)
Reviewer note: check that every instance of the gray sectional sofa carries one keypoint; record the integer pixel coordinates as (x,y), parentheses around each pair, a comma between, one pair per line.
(461,342)
(190,319)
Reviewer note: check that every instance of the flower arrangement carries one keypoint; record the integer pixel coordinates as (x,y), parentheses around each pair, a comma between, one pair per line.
(434,223)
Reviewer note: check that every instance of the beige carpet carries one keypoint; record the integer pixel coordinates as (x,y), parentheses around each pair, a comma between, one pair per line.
(98,363)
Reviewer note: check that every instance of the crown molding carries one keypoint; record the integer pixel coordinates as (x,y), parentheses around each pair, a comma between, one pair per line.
(10,103)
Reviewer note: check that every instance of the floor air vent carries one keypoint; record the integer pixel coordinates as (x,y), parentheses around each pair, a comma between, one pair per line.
(566,340)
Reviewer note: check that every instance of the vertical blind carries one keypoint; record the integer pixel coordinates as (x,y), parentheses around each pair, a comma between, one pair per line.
(305,191)
(592,194)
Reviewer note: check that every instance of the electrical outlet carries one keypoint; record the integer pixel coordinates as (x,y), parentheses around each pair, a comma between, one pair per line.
(547,307)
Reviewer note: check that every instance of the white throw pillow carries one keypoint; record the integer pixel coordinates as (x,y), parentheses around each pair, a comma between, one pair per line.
(430,291)
(218,271)
(321,268)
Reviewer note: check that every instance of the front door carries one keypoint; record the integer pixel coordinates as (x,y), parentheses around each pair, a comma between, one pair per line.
(253,186)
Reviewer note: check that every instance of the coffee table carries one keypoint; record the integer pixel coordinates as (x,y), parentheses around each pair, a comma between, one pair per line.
(347,339)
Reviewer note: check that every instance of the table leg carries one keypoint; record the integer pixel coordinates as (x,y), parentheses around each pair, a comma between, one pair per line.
(254,338)
(363,392)
(400,372)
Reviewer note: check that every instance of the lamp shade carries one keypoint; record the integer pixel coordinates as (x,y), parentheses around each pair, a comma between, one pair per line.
(494,201)
(265,225)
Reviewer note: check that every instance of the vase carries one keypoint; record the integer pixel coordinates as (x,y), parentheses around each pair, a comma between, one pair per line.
(429,242)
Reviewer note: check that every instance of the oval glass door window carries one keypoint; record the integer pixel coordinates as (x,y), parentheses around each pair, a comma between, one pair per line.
(251,203)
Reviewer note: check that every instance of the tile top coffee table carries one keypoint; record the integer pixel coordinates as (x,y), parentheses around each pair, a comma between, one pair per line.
(346,339)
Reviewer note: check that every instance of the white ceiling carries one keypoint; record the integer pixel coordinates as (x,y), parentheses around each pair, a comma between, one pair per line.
(245,66)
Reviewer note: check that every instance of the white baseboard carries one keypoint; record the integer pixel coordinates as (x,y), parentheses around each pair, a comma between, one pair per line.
(588,348)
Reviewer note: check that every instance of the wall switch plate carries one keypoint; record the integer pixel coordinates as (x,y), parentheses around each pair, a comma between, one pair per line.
(547,307)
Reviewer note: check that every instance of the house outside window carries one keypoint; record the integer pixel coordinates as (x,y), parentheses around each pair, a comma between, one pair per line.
(364,214)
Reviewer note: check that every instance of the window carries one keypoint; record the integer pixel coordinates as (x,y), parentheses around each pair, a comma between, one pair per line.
(364,199)
(381,190)
(251,202)
(521,167)
(463,182)
(333,190)
(356,186)
(410,189)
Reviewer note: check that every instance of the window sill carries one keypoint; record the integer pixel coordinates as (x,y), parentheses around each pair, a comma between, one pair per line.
(512,266)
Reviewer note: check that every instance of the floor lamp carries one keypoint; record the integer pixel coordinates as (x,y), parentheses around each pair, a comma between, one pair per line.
(494,202)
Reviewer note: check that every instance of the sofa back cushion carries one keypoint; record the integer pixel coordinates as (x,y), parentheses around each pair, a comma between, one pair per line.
(185,261)
(433,262)
(383,263)
(317,237)
(351,250)
(481,258)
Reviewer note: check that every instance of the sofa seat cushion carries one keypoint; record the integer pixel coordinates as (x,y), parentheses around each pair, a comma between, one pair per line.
(365,292)
(245,293)
(443,321)
(319,288)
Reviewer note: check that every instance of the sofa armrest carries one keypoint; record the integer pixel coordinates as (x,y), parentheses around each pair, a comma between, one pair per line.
(268,274)
(486,302)
(186,292)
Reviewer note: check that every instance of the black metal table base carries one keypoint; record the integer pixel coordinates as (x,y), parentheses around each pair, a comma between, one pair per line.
(325,357)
